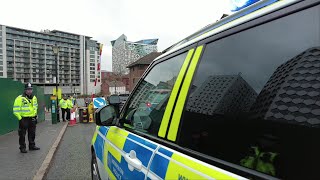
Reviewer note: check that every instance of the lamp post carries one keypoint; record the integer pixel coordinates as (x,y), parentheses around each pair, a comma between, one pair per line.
(55,50)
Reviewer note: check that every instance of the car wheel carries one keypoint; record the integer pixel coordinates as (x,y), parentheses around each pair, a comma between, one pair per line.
(94,168)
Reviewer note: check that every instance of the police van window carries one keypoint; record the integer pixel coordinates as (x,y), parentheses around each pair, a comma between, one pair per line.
(148,103)
(255,98)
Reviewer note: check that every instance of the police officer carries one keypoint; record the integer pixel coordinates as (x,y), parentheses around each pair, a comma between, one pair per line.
(64,107)
(70,106)
(25,108)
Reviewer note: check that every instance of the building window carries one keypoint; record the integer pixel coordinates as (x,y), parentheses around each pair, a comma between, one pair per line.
(1,73)
(92,68)
(92,80)
(1,68)
(92,64)
(92,76)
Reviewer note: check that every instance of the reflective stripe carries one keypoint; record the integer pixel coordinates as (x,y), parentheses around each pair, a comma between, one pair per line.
(16,106)
(21,110)
(117,137)
(172,135)
(167,114)
(94,138)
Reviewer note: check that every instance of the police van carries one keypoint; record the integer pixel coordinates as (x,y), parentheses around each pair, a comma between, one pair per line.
(242,102)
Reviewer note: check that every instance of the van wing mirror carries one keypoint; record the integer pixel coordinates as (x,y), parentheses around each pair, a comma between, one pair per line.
(106,116)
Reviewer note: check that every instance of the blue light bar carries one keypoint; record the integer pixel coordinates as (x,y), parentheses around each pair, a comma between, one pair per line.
(237,5)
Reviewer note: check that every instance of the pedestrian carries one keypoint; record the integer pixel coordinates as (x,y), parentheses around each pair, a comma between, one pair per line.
(25,108)
(70,106)
(64,107)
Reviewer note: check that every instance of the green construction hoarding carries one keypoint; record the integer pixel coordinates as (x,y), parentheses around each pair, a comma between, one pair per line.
(9,90)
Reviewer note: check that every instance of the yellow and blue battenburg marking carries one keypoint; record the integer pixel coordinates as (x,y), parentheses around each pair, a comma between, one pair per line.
(112,144)
(167,164)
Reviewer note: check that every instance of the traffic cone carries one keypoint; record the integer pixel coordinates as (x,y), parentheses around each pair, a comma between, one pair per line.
(91,118)
(73,120)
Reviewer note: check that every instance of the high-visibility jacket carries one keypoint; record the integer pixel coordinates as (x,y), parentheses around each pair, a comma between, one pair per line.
(70,104)
(63,104)
(25,107)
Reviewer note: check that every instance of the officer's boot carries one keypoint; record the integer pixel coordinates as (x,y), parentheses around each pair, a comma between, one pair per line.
(23,150)
(33,148)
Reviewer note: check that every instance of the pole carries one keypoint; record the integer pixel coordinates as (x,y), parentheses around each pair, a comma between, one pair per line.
(58,116)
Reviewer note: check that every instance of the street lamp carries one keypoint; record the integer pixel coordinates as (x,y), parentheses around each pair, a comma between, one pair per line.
(55,49)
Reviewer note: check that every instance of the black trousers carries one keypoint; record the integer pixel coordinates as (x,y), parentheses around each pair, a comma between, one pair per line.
(27,124)
(68,114)
(64,112)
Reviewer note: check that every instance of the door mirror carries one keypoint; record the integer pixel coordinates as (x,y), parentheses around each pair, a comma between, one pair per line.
(114,99)
(106,116)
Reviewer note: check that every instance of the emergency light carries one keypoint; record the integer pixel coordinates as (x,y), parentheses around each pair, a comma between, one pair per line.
(237,5)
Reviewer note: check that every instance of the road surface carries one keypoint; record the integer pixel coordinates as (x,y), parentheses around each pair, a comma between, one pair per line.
(73,157)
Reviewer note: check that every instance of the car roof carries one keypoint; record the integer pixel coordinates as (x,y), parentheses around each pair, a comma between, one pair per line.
(254,11)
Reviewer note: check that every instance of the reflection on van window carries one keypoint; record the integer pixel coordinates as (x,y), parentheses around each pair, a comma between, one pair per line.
(149,101)
(255,98)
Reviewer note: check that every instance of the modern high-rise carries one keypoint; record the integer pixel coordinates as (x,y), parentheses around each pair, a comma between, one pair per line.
(125,52)
(27,56)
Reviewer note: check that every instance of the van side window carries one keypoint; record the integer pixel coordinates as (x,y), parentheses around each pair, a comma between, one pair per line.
(149,101)
(255,98)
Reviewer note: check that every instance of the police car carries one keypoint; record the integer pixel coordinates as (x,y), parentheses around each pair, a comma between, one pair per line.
(243,103)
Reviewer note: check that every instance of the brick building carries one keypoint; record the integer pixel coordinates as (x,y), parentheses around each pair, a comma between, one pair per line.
(138,67)
(108,78)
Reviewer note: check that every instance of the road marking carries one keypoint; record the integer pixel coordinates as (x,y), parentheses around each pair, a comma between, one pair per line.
(42,171)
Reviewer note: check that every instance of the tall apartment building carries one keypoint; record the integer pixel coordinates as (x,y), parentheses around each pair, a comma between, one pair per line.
(27,56)
(125,52)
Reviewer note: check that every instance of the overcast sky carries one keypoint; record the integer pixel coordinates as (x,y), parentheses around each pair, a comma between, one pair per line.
(105,20)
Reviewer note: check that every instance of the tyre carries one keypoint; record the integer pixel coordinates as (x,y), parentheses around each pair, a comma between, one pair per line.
(94,168)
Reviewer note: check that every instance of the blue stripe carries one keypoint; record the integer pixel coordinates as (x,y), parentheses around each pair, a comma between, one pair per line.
(165,152)
(142,141)
(99,146)
(159,166)
(121,170)
(143,154)
(104,130)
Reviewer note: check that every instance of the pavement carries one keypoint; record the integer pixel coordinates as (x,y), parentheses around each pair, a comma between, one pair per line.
(72,160)
(15,165)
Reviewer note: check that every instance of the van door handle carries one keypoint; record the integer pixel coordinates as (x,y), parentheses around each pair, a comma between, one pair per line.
(133,161)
